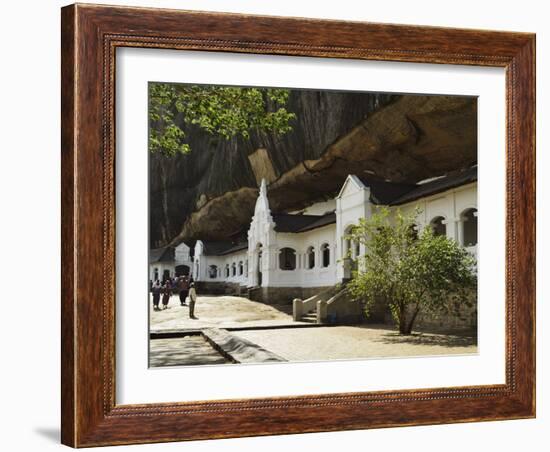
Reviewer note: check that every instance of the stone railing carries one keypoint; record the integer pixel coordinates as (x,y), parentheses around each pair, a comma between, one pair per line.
(301,307)
(340,308)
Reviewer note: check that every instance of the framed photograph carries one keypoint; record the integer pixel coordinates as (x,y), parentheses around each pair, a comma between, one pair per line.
(281,225)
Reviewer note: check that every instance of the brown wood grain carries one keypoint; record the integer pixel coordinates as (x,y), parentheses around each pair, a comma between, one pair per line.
(67,226)
(90,36)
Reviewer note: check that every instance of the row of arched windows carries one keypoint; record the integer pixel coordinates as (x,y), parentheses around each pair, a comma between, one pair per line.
(287,257)
(467,237)
(235,269)
(468,227)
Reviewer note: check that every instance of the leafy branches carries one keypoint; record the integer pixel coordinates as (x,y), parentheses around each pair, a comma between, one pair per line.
(221,111)
(412,271)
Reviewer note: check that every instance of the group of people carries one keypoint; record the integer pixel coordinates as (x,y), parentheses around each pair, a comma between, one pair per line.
(182,285)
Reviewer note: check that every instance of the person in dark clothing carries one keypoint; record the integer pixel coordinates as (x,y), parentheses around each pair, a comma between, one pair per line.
(183,287)
(192,301)
(155,290)
(166,292)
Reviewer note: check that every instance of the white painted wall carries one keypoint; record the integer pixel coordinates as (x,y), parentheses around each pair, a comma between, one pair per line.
(203,263)
(318,276)
(182,255)
(351,204)
(161,267)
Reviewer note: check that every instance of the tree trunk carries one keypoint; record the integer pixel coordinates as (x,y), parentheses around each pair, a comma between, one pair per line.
(406,324)
(403,323)
(404,327)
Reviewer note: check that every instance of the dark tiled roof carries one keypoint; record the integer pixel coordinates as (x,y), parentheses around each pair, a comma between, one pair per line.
(329,218)
(222,248)
(393,194)
(286,222)
(438,185)
(235,248)
(165,254)
(383,192)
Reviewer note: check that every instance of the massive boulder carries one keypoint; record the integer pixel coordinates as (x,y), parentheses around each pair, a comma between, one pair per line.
(210,193)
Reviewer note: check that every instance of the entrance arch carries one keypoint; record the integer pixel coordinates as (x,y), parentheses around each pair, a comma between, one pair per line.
(182,270)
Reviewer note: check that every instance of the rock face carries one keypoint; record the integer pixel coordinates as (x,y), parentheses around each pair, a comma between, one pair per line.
(210,193)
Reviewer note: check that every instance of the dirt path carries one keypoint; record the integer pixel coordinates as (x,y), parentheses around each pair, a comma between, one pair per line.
(221,312)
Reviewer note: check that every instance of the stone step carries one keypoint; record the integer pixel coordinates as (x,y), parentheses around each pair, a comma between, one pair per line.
(310,317)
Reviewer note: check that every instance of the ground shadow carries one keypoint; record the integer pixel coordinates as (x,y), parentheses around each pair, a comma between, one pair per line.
(442,340)
(50,433)
(284,308)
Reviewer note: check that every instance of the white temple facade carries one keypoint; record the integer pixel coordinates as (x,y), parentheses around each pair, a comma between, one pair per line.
(169,261)
(307,249)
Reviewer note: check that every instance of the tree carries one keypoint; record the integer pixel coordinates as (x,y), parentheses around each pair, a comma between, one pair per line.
(411,271)
(221,111)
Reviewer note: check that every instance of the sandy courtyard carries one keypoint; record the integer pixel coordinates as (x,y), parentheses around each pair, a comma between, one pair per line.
(353,342)
(293,341)
(220,312)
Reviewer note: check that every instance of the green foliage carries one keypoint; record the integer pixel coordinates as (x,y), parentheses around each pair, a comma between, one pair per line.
(411,271)
(222,111)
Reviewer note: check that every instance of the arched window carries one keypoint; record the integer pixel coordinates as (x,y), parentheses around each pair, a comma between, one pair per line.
(227,271)
(213,272)
(438,226)
(413,231)
(233,269)
(357,248)
(182,270)
(469,227)
(241,268)
(325,253)
(287,259)
(156,276)
(310,257)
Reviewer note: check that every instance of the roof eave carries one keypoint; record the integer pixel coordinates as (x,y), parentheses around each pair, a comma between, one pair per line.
(398,202)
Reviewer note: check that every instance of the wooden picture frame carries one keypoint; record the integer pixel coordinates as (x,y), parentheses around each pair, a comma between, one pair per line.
(90,36)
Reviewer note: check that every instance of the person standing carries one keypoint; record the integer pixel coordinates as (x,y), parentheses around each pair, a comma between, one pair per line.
(166,292)
(155,290)
(183,287)
(192,301)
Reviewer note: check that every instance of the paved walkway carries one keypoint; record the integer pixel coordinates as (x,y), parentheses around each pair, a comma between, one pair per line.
(184,351)
(293,344)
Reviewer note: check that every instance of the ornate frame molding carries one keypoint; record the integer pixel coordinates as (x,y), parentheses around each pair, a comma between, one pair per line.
(90,36)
